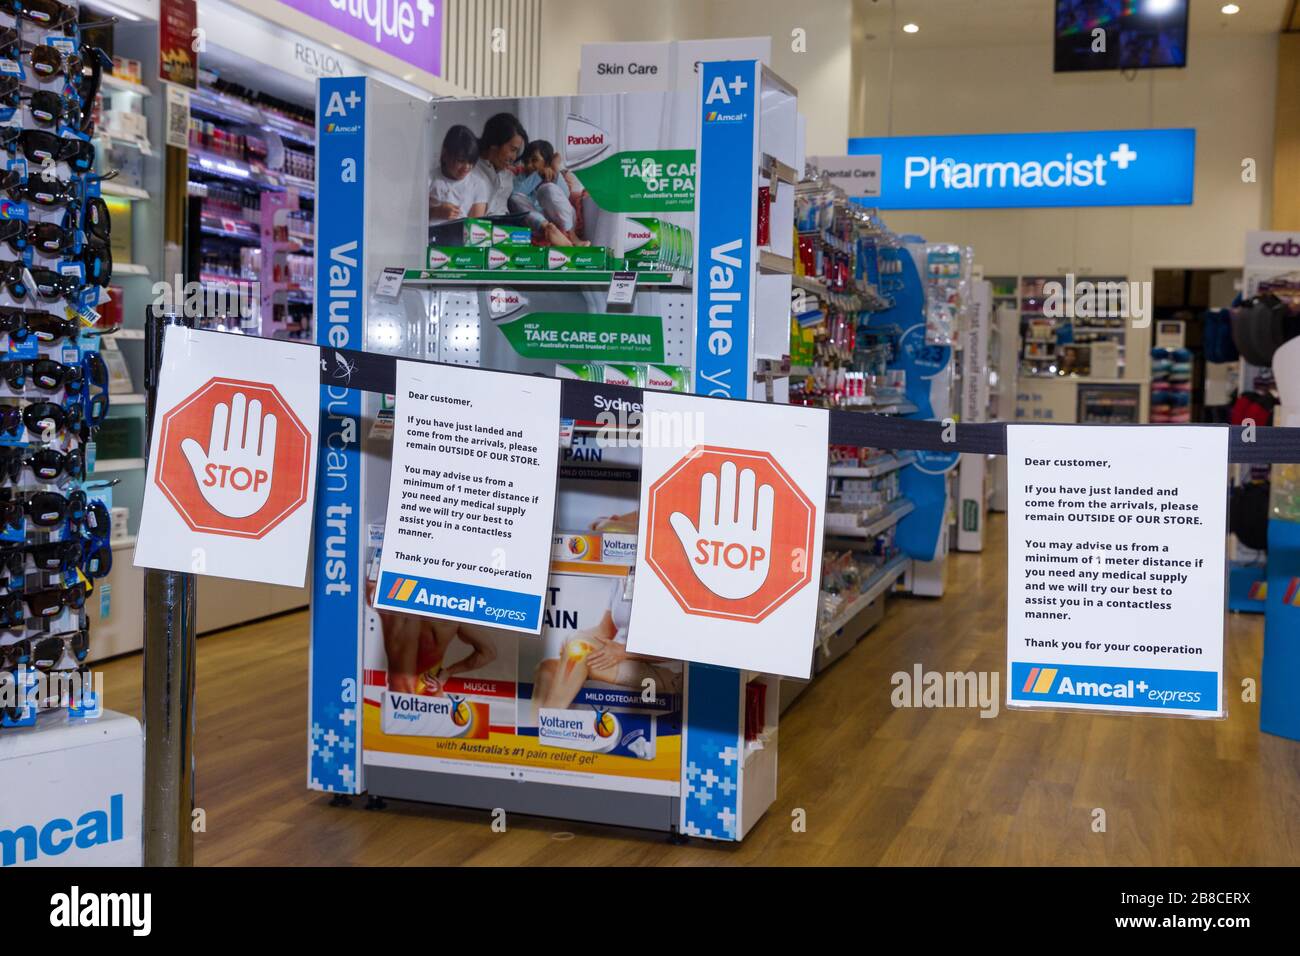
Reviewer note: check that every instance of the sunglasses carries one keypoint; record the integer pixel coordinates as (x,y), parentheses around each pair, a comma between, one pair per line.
(98,222)
(47,464)
(10,42)
(51,558)
(52,193)
(50,602)
(46,652)
(49,61)
(97,519)
(10,90)
(20,323)
(98,561)
(46,374)
(45,508)
(48,238)
(97,258)
(49,14)
(39,145)
(49,108)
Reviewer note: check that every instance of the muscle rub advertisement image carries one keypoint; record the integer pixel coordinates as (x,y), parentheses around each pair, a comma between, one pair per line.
(572,707)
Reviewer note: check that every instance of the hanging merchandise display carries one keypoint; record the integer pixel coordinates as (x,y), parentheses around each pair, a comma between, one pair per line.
(54,383)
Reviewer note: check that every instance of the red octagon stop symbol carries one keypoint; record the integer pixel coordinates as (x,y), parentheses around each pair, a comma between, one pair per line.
(730,533)
(233,458)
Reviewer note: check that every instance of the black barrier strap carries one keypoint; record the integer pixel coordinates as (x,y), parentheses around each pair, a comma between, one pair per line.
(373,372)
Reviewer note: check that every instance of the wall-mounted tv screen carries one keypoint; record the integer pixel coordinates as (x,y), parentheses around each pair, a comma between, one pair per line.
(1120,34)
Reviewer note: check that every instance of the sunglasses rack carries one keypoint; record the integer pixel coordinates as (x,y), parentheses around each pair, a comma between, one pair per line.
(55,265)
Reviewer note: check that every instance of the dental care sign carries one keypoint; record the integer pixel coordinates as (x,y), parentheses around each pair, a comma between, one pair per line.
(733,498)
(232,465)
(1135,167)
(1115,568)
(471,497)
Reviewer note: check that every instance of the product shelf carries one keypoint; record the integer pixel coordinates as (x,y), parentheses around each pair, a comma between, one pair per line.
(419,277)
(883,467)
(110,188)
(110,81)
(773,264)
(876,585)
(875,523)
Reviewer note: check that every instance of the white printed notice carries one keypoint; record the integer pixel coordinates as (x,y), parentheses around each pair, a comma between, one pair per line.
(471,498)
(1115,568)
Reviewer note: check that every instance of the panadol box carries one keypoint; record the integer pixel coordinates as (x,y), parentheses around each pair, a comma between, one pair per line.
(586,258)
(456,257)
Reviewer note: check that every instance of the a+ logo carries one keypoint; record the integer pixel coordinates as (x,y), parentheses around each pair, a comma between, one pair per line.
(1141,687)
(427,11)
(738,85)
(1123,156)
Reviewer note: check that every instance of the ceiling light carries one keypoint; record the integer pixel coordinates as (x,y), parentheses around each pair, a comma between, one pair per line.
(911,28)
(1158,8)
(1230,9)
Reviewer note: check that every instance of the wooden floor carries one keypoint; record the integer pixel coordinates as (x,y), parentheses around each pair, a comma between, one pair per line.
(879,785)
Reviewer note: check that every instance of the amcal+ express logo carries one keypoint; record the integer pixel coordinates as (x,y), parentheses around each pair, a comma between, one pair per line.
(1064,684)
(715,116)
(342,127)
(411,592)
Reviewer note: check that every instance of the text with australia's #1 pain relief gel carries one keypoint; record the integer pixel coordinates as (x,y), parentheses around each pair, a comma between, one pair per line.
(598,731)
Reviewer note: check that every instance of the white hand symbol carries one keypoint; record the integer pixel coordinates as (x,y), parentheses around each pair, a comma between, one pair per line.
(234,474)
(732,547)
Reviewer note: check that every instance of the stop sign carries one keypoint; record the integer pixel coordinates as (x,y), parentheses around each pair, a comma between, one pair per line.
(730,534)
(233,458)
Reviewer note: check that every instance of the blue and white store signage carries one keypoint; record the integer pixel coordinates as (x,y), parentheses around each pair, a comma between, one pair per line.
(1134,167)
(725,207)
(334,698)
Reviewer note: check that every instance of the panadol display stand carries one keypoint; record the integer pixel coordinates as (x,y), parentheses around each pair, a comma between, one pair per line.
(531,274)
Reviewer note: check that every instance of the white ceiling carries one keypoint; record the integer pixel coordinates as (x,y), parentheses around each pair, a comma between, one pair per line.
(991,23)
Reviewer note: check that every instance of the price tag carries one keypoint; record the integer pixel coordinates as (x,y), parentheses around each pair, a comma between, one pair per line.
(622,289)
(390,283)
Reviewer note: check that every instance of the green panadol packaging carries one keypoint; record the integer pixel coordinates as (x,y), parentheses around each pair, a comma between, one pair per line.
(579,258)
(633,375)
(516,257)
(456,257)
(666,378)
(583,373)
(478,232)
(511,236)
